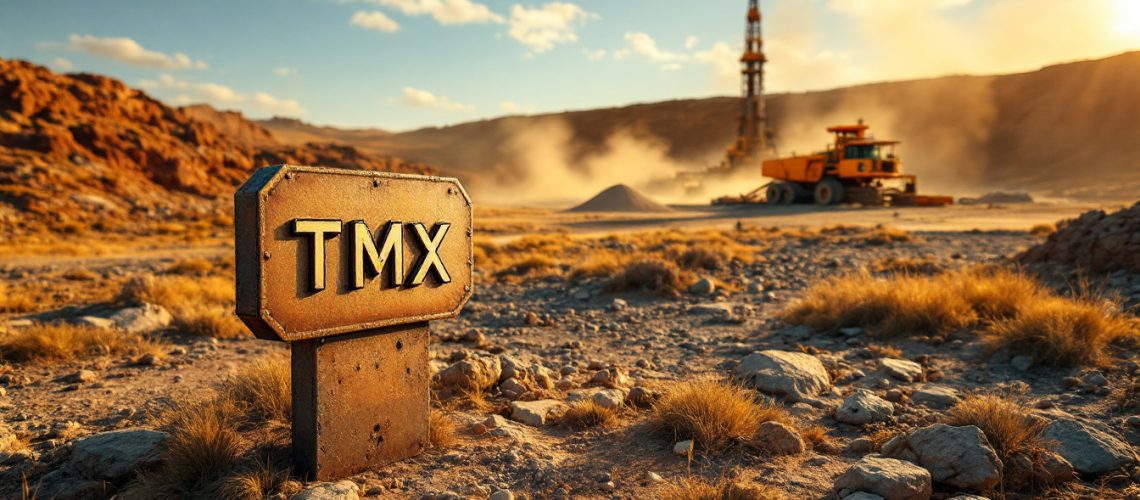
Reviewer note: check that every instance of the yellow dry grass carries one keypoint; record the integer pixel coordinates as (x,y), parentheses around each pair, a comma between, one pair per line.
(586,413)
(261,389)
(204,447)
(16,300)
(714,414)
(265,479)
(442,431)
(1014,434)
(656,276)
(200,305)
(1063,331)
(699,488)
(1043,230)
(64,342)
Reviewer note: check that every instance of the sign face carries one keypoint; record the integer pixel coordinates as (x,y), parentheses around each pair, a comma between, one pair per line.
(322,252)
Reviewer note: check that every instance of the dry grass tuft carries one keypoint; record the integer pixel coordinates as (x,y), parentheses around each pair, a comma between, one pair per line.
(263,480)
(586,413)
(598,266)
(192,267)
(701,258)
(1062,331)
(66,342)
(885,235)
(208,321)
(442,432)
(261,389)
(656,276)
(1018,312)
(815,436)
(698,488)
(1012,431)
(205,446)
(906,265)
(14,301)
(714,414)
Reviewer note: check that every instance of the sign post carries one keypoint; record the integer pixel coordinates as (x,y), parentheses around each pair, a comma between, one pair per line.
(348,267)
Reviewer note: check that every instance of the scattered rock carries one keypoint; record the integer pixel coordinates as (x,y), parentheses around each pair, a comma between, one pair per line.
(536,413)
(142,319)
(720,309)
(1021,362)
(115,455)
(779,439)
(610,377)
(797,375)
(81,376)
(642,397)
(479,372)
(863,407)
(886,477)
(502,495)
(683,448)
(609,398)
(901,369)
(341,490)
(935,396)
(1090,448)
(957,456)
(704,286)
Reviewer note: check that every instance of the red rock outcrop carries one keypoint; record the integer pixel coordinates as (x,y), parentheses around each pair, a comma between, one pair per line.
(84,147)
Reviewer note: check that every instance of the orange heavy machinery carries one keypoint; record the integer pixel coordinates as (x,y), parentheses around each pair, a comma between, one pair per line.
(856,168)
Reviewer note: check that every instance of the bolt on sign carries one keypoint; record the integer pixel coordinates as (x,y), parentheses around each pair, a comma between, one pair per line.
(348,267)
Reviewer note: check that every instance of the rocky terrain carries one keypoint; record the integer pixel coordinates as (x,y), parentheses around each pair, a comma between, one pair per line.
(860,415)
(80,148)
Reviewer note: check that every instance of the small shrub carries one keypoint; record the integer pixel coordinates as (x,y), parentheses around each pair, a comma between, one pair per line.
(192,267)
(204,447)
(1014,434)
(701,258)
(906,265)
(713,414)
(263,480)
(208,321)
(1042,230)
(441,430)
(530,266)
(17,301)
(262,389)
(586,413)
(698,488)
(655,276)
(1063,332)
(886,235)
(601,265)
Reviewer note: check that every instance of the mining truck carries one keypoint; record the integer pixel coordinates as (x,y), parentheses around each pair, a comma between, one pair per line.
(856,168)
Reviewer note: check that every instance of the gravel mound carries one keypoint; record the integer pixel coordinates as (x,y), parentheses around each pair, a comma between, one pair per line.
(620,198)
(1096,240)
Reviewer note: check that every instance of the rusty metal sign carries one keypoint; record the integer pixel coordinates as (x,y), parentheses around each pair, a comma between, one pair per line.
(323,252)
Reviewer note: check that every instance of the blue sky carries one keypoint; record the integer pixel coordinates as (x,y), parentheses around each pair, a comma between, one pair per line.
(402,64)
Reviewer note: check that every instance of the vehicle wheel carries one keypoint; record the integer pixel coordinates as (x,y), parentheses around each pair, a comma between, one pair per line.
(775,193)
(793,192)
(828,192)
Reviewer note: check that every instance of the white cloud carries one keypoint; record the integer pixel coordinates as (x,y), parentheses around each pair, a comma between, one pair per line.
(445,12)
(277,106)
(62,64)
(126,50)
(540,29)
(285,71)
(594,55)
(645,45)
(691,41)
(184,92)
(418,98)
(374,20)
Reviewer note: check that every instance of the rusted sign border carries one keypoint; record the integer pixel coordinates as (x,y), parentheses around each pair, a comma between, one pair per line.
(248,251)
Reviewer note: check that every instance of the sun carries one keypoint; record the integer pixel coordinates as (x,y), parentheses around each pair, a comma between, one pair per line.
(1127,20)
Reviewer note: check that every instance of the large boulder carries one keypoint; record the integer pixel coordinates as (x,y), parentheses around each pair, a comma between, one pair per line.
(863,407)
(886,477)
(142,319)
(1092,449)
(474,373)
(797,375)
(956,456)
(114,456)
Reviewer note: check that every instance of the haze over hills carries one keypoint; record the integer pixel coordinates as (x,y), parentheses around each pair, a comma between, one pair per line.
(1064,130)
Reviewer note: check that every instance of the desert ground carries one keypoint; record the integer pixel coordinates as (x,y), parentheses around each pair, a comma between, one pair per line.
(733,352)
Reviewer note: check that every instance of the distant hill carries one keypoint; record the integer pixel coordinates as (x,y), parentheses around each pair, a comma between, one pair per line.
(1066,130)
(88,147)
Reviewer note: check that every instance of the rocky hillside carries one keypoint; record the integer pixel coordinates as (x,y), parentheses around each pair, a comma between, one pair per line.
(1063,130)
(83,147)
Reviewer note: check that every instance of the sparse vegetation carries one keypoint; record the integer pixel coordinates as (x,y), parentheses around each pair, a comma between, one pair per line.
(586,413)
(656,276)
(261,389)
(441,430)
(204,447)
(1017,311)
(906,265)
(1042,230)
(65,342)
(713,414)
(1012,431)
(199,305)
(261,481)
(699,488)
